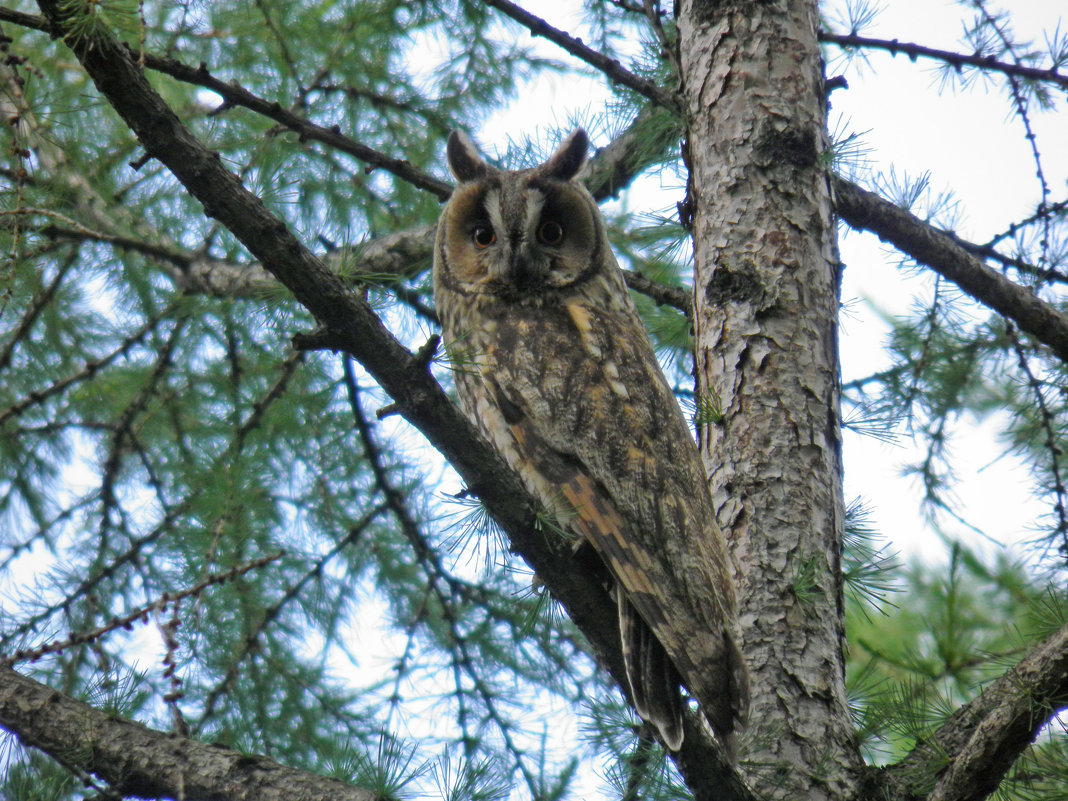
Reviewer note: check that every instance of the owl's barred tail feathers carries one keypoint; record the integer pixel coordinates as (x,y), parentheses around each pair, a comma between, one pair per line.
(653,678)
(655,683)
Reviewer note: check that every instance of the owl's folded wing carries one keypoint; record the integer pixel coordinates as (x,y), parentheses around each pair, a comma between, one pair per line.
(633,508)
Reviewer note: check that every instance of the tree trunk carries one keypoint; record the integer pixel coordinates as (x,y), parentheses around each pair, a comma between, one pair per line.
(766,305)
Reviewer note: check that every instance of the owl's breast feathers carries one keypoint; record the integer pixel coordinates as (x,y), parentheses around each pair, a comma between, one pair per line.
(580,400)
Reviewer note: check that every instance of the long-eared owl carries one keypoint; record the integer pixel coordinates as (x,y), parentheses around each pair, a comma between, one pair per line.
(558,373)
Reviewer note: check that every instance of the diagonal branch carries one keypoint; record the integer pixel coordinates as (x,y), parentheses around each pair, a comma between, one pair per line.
(983,738)
(236,95)
(144,763)
(611,68)
(350,325)
(867,211)
(31,21)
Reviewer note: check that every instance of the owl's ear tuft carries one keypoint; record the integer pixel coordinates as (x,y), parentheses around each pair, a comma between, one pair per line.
(465,162)
(568,158)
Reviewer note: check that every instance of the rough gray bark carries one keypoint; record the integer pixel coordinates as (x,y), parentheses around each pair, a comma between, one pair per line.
(766,304)
(138,761)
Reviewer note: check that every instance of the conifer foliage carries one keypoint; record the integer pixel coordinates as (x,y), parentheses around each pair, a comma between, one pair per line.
(249,547)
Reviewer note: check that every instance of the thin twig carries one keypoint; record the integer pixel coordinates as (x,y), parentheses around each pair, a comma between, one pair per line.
(142,612)
(1050,434)
(957,60)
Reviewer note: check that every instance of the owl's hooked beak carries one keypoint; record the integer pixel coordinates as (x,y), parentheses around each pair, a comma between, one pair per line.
(525,268)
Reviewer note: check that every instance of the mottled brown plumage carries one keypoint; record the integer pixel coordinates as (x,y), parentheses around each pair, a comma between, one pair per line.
(554,366)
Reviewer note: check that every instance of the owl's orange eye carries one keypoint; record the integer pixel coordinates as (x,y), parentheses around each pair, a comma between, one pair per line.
(551,233)
(483,236)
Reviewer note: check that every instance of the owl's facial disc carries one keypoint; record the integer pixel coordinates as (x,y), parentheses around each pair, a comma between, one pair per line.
(540,242)
(521,237)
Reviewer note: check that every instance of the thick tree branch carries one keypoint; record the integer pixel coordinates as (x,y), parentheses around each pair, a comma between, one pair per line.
(144,763)
(401,254)
(867,211)
(355,329)
(955,60)
(31,21)
(982,739)
(662,294)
